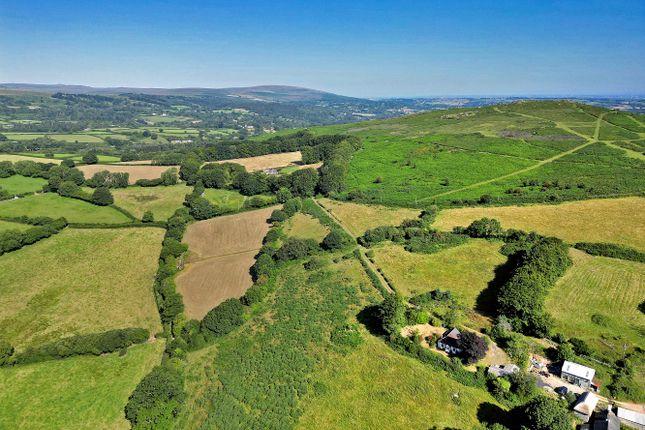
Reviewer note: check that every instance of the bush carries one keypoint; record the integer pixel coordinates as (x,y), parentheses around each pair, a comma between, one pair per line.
(564,351)
(89,344)
(201,208)
(90,157)
(544,413)
(295,249)
(109,180)
(169,177)
(346,335)
(263,265)
(292,206)
(485,228)
(283,195)
(224,318)
(6,351)
(157,399)
(102,197)
(473,347)
(148,216)
(335,240)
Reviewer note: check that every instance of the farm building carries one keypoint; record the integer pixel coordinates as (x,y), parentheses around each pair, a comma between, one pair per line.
(631,418)
(502,369)
(585,405)
(577,374)
(605,420)
(449,341)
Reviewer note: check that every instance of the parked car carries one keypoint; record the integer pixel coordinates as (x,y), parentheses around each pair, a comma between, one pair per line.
(562,391)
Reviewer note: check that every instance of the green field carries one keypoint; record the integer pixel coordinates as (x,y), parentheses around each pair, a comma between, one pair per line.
(17,184)
(55,206)
(305,226)
(230,200)
(5,226)
(75,393)
(601,286)
(519,152)
(78,282)
(162,201)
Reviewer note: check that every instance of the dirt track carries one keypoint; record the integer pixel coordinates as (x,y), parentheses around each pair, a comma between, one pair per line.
(221,252)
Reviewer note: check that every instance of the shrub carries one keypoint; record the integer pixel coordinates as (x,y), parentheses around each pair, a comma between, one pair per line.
(263,265)
(169,177)
(283,195)
(580,346)
(90,157)
(346,335)
(201,208)
(157,399)
(564,351)
(473,347)
(278,216)
(6,351)
(292,206)
(224,318)
(335,240)
(295,249)
(148,216)
(544,413)
(102,197)
(485,227)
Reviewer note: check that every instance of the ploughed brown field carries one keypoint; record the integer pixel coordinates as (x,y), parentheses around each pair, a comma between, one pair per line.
(221,252)
(253,164)
(136,172)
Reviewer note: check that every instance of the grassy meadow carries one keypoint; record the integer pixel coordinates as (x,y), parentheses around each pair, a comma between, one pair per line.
(5,226)
(83,392)
(54,206)
(610,288)
(305,226)
(18,184)
(619,221)
(14,157)
(358,217)
(162,201)
(79,282)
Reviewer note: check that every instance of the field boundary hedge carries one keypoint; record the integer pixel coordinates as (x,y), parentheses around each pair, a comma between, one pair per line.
(43,227)
(611,250)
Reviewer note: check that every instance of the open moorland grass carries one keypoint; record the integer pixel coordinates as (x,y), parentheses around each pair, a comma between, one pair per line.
(162,201)
(358,217)
(75,393)
(619,221)
(4,226)
(280,370)
(305,226)
(462,154)
(135,172)
(54,206)
(253,164)
(221,252)
(18,184)
(609,288)
(13,158)
(465,270)
(78,282)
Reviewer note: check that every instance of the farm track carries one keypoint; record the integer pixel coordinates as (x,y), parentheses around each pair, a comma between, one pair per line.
(361,249)
(589,141)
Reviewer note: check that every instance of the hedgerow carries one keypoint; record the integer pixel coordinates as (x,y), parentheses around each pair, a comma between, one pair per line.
(88,344)
(12,240)
(611,250)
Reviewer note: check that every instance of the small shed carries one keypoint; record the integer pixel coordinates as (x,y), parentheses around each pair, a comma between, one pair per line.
(585,405)
(449,341)
(577,374)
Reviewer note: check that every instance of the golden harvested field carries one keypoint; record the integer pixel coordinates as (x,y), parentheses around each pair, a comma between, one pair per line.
(305,226)
(135,163)
(221,252)
(608,287)
(269,161)
(13,158)
(78,282)
(136,172)
(465,270)
(619,221)
(358,218)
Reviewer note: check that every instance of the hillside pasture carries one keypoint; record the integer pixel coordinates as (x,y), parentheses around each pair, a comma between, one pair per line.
(303,226)
(619,221)
(54,206)
(15,157)
(359,217)
(226,200)
(135,172)
(609,288)
(18,184)
(79,282)
(162,201)
(6,226)
(269,161)
(221,252)
(82,392)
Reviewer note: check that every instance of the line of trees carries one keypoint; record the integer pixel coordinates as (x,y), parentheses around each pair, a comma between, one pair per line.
(43,227)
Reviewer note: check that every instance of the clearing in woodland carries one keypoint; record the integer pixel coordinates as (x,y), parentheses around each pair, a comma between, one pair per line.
(135,172)
(303,226)
(619,221)
(269,161)
(79,282)
(221,252)
(162,201)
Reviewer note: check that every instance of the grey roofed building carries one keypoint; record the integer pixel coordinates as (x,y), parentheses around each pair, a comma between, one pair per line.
(503,369)
(631,418)
(606,420)
(577,374)
(585,405)
(449,341)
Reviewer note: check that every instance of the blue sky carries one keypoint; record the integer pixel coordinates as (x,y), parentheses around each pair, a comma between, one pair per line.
(358,48)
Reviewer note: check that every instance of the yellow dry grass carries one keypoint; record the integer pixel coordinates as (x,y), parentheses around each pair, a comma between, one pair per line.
(269,161)
(619,221)
(135,172)
(305,226)
(221,252)
(358,217)
(13,158)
